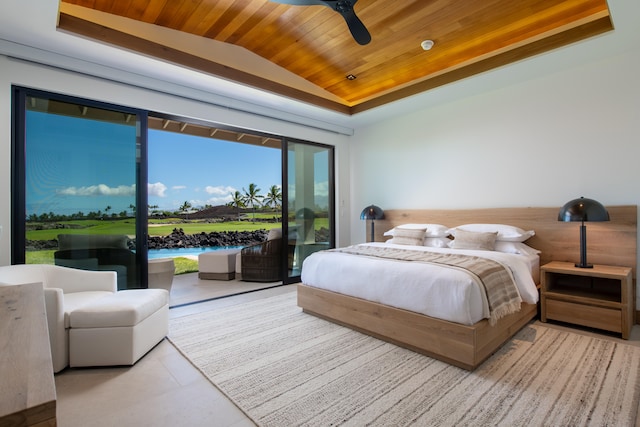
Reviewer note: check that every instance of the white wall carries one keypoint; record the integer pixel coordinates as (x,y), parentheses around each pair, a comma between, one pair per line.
(540,142)
(70,83)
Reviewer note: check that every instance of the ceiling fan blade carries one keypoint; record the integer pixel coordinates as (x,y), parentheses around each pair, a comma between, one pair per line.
(344,8)
(357,28)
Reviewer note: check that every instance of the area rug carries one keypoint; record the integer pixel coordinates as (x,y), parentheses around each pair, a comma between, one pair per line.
(283,367)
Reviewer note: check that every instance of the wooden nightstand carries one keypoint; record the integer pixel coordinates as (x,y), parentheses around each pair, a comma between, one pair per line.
(600,297)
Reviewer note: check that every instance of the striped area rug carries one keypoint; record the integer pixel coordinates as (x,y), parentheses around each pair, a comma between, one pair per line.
(283,367)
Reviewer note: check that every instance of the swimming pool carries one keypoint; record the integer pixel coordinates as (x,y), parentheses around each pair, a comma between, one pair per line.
(177,252)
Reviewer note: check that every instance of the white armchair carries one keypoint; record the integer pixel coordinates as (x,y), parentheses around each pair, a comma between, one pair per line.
(65,289)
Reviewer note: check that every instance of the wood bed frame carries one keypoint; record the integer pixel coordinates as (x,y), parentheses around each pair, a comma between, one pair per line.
(611,243)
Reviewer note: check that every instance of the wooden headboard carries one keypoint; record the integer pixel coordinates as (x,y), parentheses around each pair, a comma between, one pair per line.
(611,243)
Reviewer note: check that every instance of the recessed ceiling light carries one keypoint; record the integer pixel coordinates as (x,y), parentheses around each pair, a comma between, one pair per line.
(351,77)
(427,44)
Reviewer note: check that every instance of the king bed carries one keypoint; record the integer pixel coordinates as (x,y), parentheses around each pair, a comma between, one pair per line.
(456,295)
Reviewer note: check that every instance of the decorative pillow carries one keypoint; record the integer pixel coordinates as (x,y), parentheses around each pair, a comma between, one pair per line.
(414,237)
(433,230)
(516,248)
(483,241)
(506,233)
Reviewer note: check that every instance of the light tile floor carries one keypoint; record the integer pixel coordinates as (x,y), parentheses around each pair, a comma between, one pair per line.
(163,388)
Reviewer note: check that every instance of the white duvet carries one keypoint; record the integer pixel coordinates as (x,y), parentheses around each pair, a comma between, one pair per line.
(430,289)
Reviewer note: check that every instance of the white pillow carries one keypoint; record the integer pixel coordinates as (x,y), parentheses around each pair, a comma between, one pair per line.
(437,242)
(506,233)
(433,230)
(483,241)
(516,248)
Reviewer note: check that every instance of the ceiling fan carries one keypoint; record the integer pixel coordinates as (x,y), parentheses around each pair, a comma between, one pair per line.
(344,8)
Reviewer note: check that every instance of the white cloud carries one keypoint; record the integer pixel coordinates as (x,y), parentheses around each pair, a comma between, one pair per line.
(322,189)
(99,190)
(156,189)
(179,187)
(217,201)
(219,190)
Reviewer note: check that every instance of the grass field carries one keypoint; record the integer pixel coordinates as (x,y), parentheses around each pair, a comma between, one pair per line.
(183,265)
(162,227)
(127,226)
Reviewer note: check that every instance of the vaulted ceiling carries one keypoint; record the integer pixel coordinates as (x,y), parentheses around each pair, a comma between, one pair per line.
(307,52)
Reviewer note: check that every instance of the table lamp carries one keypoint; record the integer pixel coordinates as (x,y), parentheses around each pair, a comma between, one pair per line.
(583,210)
(372,213)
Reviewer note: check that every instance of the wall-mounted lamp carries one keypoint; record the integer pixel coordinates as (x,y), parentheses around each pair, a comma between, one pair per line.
(583,210)
(372,213)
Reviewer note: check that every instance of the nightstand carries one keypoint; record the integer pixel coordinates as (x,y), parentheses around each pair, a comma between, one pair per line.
(600,297)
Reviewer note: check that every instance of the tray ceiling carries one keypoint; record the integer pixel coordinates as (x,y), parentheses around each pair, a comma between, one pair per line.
(307,52)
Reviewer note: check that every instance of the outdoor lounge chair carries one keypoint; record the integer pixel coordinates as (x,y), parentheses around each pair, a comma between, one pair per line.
(262,262)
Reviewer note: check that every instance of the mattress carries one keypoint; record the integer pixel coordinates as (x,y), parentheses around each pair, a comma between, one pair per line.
(430,289)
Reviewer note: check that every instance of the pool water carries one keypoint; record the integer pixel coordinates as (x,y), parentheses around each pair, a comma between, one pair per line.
(177,252)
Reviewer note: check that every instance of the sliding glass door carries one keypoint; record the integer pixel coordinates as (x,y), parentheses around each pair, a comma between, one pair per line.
(309,211)
(77,186)
(80,189)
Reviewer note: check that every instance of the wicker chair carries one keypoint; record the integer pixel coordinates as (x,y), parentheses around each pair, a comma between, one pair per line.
(262,262)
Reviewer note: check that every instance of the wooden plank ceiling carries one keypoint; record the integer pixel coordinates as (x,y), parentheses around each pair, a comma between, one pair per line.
(314,43)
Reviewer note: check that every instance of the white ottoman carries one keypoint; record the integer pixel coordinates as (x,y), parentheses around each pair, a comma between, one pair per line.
(161,273)
(118,329)
(218,265)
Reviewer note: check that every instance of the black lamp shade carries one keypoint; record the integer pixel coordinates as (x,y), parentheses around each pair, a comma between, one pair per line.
(583,210)
(372,212)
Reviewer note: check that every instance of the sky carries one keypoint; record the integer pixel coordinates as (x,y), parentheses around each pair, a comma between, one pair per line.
(80,165)
(205,171)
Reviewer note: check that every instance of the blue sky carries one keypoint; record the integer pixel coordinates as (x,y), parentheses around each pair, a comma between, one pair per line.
(206,171)
(80,165)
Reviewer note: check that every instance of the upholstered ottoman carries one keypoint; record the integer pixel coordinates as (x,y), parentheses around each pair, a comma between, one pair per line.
(218,265)
(161,273)
(118,329)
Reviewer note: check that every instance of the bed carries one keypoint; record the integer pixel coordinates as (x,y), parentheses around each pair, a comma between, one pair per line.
(347,288)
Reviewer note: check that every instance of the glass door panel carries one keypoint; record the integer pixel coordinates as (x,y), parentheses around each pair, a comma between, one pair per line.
(309,203)
(81,167)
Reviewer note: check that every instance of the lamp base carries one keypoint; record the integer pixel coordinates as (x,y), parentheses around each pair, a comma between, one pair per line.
(580,265)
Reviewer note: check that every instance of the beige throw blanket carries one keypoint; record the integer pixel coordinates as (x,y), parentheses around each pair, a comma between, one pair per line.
(496,279)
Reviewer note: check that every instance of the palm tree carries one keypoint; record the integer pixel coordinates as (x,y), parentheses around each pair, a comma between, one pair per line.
(184,208)
(252,197)
(238,202)
(273,197)
(151,209)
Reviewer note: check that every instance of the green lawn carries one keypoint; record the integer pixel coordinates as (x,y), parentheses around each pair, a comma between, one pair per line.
(183,265)
(162,227)
(156,227)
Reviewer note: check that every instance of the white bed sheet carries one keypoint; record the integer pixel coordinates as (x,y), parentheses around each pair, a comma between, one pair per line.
(429,289)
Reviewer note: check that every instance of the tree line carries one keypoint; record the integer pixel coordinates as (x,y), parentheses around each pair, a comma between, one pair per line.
(248,198)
